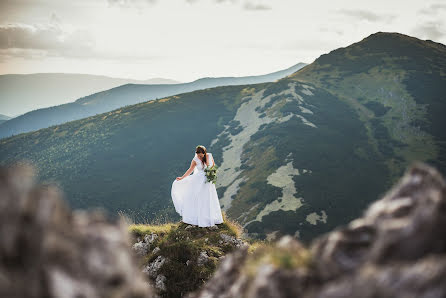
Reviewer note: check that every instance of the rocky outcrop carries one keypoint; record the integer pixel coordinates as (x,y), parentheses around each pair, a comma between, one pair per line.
(278,271)
(179,258)
(202,258)
(397,249)
(152,268)
(409,223)
(47,250)
(142,247)
(231,240)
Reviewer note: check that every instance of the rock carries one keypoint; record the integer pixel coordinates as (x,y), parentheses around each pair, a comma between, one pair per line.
(271,282)
(396,249)
(236,278)
(150,238)
(47,250)
(227,239)
(188,227)
(152,268)
(202,258)
(155,250)
(289,242)
(425,277)
(407,224)
(159,283)
(227,279)
(141,248)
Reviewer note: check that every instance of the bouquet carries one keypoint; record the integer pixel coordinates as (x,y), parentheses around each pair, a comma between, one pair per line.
(211,173)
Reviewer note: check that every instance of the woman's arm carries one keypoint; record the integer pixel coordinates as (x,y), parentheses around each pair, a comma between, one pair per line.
(191,168)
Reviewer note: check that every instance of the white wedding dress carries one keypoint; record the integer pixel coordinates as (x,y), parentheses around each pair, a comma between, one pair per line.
(195,199)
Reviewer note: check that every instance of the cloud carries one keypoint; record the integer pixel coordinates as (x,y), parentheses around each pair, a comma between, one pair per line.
(248,5)
(316,44)
(49,37)
(25,36)
(433,9)
(50,40)
(42,40)
(216,1)
(254,7)
(366,15)
(438,6)
(130,3)
(331,29)
(223,1)
(138,5)
(429,30)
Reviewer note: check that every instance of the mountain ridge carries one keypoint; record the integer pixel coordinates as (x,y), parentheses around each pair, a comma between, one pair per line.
(22,93)
(411,61)
(127,94)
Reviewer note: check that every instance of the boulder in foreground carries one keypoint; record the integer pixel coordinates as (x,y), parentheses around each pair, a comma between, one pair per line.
(46,250)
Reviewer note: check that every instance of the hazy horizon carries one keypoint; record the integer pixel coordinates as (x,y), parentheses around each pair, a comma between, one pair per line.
(147,79)
(21,93)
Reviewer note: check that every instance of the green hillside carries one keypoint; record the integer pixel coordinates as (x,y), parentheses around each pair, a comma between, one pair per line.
(397,84)
(295,156)
(126,158)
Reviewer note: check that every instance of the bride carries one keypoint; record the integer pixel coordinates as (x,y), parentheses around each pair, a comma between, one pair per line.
(194,198)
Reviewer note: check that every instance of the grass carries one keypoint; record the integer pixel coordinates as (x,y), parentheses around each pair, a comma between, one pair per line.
(268,253)
(232,226)
(142,229)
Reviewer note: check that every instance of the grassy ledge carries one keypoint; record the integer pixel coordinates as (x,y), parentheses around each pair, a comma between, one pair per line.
(178,258)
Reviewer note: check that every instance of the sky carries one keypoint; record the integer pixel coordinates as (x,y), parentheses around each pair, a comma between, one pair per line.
(189,39)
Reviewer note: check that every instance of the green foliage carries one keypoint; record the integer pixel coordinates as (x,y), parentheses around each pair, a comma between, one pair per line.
(234,127)
(378,108)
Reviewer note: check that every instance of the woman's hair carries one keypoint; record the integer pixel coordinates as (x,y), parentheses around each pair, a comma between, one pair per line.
(202,149)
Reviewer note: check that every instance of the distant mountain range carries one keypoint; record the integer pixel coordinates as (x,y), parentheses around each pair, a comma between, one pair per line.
(4,118)
(22,93)
(100,102)
(297,156)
